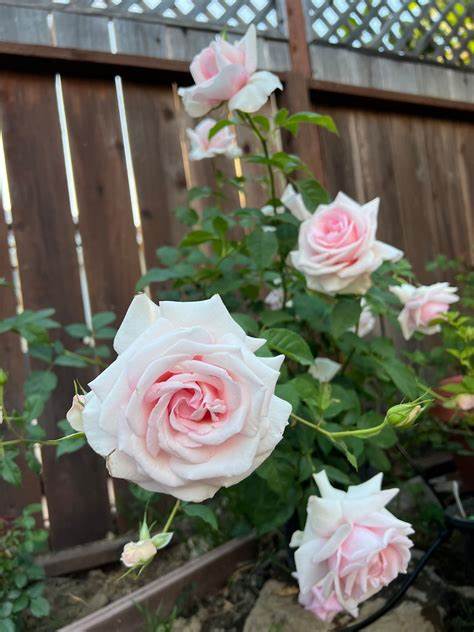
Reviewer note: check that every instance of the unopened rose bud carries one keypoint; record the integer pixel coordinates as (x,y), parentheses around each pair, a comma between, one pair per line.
(138,553)
(74,414)
(404,415)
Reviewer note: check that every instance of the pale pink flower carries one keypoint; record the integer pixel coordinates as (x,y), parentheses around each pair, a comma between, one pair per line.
(337,246)
(465,401)
(187,407)
(367,320)
(422,305)
(138,553)
(225,72)
(222,143)
(274,299)
(351,546)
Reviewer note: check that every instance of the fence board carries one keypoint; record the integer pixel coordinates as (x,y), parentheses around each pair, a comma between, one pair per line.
(105,214)
(158,163)
(75,484)
(81,31)
(26,26)
(13,361)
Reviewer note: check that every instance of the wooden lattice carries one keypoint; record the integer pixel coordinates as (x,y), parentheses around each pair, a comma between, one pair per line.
(436,30)
(236,14)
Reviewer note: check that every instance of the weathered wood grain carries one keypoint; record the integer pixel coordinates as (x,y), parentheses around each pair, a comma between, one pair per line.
(75,484)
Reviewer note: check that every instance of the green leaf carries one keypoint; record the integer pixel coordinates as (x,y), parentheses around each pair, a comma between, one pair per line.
(197,237)
(20,578)
(70,445)
(197,193)
(160,540)
(274,317)
(40,383)
(6,609)
(168,255)
(220,125)
(101,319)
(9,470)
(313,193)
(402,376)
(204,512)
(77,330)
(281,116)
(105,333)
(247,323)
(186,215)
(262,247)
(39,607)
(345,314)
(7,625)
(20,603)
(377,458)
(289,393)
(289,343)
(71,361)
(292,123)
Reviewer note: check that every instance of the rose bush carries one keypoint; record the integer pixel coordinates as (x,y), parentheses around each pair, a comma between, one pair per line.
(198,398)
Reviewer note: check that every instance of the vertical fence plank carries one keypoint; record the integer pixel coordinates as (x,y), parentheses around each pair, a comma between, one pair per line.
(13,361)
(105,214)
(75,484)
(157,161)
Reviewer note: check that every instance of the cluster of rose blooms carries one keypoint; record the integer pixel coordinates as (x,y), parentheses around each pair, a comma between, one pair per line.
(188,407)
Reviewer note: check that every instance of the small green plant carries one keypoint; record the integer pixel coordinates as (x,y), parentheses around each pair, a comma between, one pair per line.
(21,580)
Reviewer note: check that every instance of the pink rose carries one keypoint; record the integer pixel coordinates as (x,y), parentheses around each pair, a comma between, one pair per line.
(187,407)
(465,401)
(227,72)
(422,305)
(222,143)
(350,548)
(337,247)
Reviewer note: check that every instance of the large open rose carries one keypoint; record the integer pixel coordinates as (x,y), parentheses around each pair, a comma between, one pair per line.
(228,72)
(351,547)
(187,407)
(337,245)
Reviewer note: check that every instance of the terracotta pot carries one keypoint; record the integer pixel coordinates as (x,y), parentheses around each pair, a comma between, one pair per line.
(439,411)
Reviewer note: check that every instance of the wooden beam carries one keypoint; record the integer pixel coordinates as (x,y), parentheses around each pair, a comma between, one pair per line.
(82,557)
(299,49)
(423,103)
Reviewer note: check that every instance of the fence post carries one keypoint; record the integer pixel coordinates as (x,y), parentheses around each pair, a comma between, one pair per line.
(296,96)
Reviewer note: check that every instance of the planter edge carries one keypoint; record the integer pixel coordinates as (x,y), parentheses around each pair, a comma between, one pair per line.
(197,577)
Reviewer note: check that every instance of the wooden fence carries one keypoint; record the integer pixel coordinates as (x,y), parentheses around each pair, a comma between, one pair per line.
(95,155)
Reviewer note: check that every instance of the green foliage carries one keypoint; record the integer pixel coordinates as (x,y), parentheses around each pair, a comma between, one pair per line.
(21,585)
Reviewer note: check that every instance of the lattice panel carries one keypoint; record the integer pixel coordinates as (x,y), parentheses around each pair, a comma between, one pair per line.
(238,14)
(436,30)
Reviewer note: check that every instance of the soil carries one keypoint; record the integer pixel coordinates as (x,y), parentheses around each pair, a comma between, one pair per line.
(74,596)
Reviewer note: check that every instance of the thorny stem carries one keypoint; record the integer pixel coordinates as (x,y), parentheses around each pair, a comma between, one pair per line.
(74,435)
(171,516)
(362,433)
(261,138)
(271,178)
